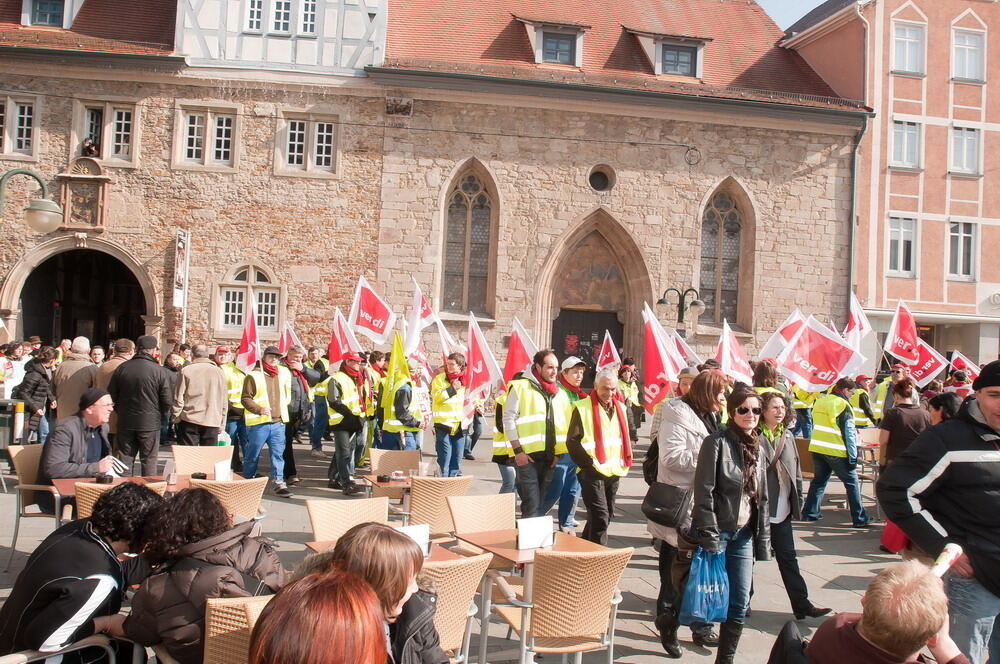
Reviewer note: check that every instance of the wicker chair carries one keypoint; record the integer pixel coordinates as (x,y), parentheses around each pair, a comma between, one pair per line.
(240,497)
(386,461)
(477,514)
(87,494)
(26,459)
(428,496)
(200,458)
(332,518)
(93,641)
(228,624)
(456,583)
(574,605)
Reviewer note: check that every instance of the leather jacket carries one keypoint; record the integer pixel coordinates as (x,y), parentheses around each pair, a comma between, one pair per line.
(718,491)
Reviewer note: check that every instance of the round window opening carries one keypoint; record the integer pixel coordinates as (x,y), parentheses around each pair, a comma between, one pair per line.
(602,178)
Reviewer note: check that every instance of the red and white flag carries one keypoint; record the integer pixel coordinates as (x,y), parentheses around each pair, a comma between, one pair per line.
(691,358)
(607,356)
(520,350)
(370,314)
(288,339)
(730,356)
(817,356)
(959,361)
(342,339)
(857,327)
(777,342)
(481,370)
(420,317)
(249,352)
(901,342)
(659,371)
(929,364)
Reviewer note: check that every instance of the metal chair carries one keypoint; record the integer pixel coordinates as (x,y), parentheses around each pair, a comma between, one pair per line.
(93,641)
(240,497)
(26,459)
(428,501)
(200,458)
(456,583)
(332,518)
(228,624)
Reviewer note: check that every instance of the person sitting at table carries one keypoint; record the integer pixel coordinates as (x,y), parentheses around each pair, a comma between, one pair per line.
(199,554)
(79,445)
(390,561)
(73,584)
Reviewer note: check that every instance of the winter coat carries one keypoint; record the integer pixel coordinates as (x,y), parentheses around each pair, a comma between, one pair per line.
(142,393)
(414,638)
(35,391)
(70,381)
(790,462)
(65,452)
(169,607)
(102,378)
(201,396)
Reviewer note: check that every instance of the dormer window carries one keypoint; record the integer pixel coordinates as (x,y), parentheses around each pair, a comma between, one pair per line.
(555,42)
(680,60)
(559,48)
(672,55)
(47,12)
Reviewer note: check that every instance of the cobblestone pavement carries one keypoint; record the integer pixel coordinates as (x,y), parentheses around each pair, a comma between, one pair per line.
(837,560)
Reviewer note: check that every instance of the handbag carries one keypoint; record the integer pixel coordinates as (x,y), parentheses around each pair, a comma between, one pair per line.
(706,595)
(893,537)
(668,505)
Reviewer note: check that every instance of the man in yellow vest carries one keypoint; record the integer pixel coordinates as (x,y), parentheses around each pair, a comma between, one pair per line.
(300,406)
(861,404)
(235,427)
(503,455)
(535,420)
(628,388)
(802,402)
(267,391)
(409,412)
(321,420)
(343,397)
(599,442)
(884,397)
(834,449)
(447,400)
(375,368)
(563,485)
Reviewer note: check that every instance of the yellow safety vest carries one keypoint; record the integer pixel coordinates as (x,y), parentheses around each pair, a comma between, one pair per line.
(531,417)
(446,410)
(630,392)
(614,463)
(348,395)
(234,383)
(860,419)
(389,422)
(260,396)
(802,400)
(881,392)
(765,390)
(827,437)
(501,446)
(320,389)
(376,382)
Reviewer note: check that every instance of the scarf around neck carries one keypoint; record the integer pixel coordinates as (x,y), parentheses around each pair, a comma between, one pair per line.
(301,376)
(551,388)
(269,369)
(595,412)
(579,392)
(358,376)
(460,377)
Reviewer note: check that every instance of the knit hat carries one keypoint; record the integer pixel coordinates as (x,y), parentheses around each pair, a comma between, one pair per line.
(989,377)
(146,342)
(92,396)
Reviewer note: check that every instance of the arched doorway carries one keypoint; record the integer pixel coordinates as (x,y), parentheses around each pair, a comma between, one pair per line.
(82,292)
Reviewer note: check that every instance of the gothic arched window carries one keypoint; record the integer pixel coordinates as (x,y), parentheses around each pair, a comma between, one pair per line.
(721,226)
(466,284)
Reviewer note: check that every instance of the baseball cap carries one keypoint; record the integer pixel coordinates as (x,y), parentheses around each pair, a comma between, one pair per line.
(221,349)
(353,356)
(899,365)
(271,350)
(572,362)
(688,372)
(861,377)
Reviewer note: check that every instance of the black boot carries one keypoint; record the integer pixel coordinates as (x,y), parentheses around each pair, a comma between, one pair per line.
(729,639)
(667,624)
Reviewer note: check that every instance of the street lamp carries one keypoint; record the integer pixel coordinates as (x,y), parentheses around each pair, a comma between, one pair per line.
(696,306)
(42,214)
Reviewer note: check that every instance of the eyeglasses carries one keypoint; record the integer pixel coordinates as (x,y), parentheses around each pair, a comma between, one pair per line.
(744,410)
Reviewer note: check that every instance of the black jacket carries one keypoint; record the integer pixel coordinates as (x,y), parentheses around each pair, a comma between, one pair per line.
(414,638)
(718,490)
(945,487)
(71,570)
(300,405)
(35,391)
(790,461)
(142,392)
(401,406)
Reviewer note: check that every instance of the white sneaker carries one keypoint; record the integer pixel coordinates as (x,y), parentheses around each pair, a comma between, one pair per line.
(281,489)
(318,454)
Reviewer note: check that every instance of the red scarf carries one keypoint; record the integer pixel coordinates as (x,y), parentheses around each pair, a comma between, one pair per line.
(460,377)
(302,378)
(595,412)
(359,379)
(580,392)
(380,372)
(551,388)
(269,369)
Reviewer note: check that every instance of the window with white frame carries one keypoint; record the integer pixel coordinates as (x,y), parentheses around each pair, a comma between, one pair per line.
(47,12)
(309,16)
(107,131)
(906,144)
(249,284)
(902,245)
(680,60)
(309,145)
(207,137)
(961,249)
(17,126)
(559,48)
(965,150)
(255,15)
(281,16)
(908,48)
(967,55)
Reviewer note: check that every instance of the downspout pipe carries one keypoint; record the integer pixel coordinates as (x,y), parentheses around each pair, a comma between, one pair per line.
(858,138)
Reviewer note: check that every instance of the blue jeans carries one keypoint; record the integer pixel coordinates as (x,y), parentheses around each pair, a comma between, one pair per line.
(43,428)
(564,486)
(738,547)
(508,478)
(391,440)
(320,421)
(803,423)
(272,434)
(237,430)
(974,613)
(825,465)
(450,448)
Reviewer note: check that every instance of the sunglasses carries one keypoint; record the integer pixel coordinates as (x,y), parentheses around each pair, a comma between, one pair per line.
(744,410)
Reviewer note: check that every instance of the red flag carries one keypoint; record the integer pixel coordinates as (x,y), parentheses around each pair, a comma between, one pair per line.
(929,364)
(481,369)
(857,327)
(817,356)
(370,315)
(288,339)
(685,351)
(342,339)
(421,316)
(730,356)
(659,373)
(777,342)
(959,361)
(608,354)
(249,352)
(520,351)
(902,339)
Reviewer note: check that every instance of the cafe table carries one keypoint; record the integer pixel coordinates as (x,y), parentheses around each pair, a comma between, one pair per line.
(437,554)
(67,487)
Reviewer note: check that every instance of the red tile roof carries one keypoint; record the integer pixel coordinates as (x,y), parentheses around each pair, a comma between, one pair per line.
(101,26)
(742,60)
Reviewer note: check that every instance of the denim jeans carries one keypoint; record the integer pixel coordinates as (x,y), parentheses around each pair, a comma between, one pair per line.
(738,548)
(450,448)
(320,421)
(783,543)
(342,464)
(825,465)
(361,443)
(974,613)
(237,431)
(391,440)
(532,481)
(803,423)
(43,429)
(564,486)
(508,478)
(273,435)
(474,433)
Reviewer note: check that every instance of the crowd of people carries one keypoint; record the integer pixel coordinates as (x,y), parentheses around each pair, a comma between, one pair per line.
(724,469)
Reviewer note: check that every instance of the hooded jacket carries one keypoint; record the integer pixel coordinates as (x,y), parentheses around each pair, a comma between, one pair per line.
(35,390)
(414,637)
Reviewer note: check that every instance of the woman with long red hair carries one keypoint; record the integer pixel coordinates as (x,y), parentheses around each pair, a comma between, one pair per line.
(329,618)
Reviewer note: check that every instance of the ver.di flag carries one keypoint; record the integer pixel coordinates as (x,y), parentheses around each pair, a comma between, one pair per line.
(730,356)
(342,340)
(608,357)
(520,350)
(288,339)
(370,314)
(857,327)
(929,364)
(901,342)
(777,342)
(959,361)
(659,372)
(421,317)
(817,356)
(690,357)
(249,352)
(481,370)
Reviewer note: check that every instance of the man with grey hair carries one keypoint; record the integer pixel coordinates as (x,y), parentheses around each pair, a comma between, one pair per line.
(73,377)
(201,400)
(300,407)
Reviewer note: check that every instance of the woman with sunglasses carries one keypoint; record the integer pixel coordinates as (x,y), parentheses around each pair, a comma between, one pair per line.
(731,511)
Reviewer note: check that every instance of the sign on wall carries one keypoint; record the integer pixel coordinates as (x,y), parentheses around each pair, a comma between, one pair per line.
(182,260)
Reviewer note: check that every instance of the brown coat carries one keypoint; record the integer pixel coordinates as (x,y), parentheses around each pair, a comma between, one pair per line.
(169,607)
(200,395)
(71,380)
(102,378)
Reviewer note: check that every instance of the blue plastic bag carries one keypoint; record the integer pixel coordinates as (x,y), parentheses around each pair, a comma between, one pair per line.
(706,595)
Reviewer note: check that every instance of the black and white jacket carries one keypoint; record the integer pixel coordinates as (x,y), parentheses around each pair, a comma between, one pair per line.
(945,487)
